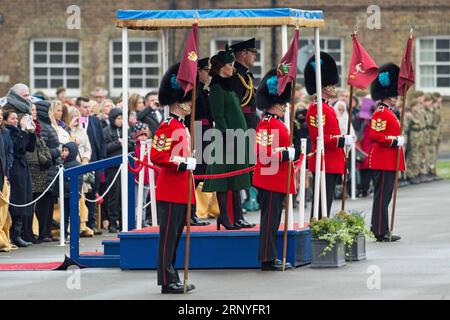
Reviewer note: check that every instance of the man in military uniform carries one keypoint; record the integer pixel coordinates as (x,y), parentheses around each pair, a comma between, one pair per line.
(387,139)
(334,141)
(415,139)
(170,151)
(273,153)
(243,84)
(429,119)
(435,133)
(243,81)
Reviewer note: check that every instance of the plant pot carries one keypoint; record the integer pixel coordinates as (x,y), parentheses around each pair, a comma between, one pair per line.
(332,259)
(357,251)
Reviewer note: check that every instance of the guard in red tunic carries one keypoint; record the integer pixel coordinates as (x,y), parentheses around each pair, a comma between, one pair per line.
(334,141)
(387,139)
(170,151)
(273,153)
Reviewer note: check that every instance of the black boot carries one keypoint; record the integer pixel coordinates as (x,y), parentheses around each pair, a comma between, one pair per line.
(16,232)
(223,218)
(238,217)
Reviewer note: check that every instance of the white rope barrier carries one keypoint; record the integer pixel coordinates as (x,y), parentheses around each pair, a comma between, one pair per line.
(34,201)
(107,190)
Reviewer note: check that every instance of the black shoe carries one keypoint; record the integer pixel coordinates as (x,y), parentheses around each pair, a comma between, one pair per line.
(20,243)
(244,224)
(227,226)
(275,265)
(195,221)
(97,231)
(113,229)
(177,288)
(386,238)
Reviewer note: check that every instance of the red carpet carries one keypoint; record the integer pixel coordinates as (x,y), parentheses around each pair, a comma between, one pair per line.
(40,266)
(35,266)
(211,228)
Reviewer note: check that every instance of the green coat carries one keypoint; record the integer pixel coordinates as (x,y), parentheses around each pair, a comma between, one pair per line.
(227,114)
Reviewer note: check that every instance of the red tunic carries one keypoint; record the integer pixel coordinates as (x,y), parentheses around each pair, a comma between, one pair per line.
(333,139)
(270,171)
(384,130)
(171,140)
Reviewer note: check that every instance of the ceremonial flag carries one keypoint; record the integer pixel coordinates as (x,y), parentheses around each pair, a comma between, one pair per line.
(187,72)
(287,69)
(363,70)
(406,75)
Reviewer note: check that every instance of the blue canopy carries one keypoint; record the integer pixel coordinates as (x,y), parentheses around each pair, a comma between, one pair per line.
(218,18)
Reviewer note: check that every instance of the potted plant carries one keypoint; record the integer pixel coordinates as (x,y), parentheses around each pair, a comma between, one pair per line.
(330,236)
(356,225)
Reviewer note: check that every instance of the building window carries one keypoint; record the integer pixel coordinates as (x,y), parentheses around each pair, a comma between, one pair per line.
(332,46)
(144,65)
(55,63)
(257,69)
(433,64)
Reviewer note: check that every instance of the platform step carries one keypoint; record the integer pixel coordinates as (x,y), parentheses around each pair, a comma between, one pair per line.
(111,247)
(99,260)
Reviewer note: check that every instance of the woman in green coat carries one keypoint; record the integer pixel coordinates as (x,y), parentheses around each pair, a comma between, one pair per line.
(227,114)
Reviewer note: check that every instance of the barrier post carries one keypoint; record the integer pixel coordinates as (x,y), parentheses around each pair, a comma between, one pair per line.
(62,232)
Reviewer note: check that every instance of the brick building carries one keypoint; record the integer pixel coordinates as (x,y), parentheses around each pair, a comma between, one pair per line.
(40,47)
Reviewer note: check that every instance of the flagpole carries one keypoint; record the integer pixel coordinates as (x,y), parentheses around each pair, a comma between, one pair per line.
(288,182)
(190,180)
(349,125)
(397,163)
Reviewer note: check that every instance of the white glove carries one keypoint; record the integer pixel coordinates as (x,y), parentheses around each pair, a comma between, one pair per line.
(400,141)
(191,163)
(349,139)
(291,153)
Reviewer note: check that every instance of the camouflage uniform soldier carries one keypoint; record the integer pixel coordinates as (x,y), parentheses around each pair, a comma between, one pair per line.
(422,143)
(430,150)
(436,131)
(415,140)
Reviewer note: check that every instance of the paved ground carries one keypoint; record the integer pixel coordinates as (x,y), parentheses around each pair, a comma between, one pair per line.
(418,267)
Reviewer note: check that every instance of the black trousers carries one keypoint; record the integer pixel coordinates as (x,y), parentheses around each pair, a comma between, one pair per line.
(92,206)
(114,197)
(44,214)
(384,186)
(366,175)
(222,199)
(271,209)
(172,219)
(331,180)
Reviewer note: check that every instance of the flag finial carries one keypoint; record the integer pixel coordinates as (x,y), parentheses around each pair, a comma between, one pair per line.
(355,30)
(411,33)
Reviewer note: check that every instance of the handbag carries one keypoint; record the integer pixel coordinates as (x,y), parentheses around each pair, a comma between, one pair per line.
(43,154)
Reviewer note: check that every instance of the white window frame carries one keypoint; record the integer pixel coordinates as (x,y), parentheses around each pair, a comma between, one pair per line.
(115,92)
(418,64)
(342,75)
(52,91)
(214,50)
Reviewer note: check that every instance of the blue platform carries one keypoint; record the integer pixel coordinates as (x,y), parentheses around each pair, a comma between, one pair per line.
(209,249)
(137,250)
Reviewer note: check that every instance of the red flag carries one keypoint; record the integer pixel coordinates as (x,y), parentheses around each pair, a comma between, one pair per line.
(406,75)
(287,69)
(363,70)
(187,73)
